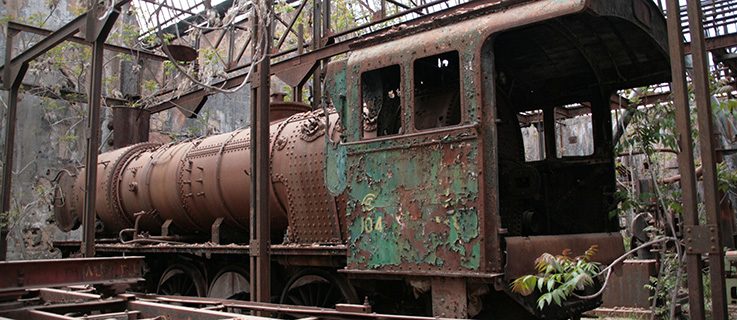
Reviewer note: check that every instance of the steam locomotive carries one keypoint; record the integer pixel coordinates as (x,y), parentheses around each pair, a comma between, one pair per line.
(412,188)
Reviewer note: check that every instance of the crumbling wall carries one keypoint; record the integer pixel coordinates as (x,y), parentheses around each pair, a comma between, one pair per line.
(49,136)
(51,132)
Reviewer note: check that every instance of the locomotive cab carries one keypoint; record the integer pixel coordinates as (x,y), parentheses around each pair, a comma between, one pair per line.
(470,150)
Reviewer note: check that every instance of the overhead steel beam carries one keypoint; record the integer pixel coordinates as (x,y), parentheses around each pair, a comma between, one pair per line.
(67,95)
(111,47)
(12,70)
(717,42)
(276,69)
(28,274)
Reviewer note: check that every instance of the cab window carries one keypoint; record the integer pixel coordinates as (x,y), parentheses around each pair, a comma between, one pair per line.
(437,96)
(381,102)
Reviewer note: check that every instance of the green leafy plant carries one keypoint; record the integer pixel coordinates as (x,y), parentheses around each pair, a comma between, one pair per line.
(559,276)
(663,285)
(726,178)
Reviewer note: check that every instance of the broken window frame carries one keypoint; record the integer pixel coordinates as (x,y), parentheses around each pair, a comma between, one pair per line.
(560,152)
(401,107)
(459,101)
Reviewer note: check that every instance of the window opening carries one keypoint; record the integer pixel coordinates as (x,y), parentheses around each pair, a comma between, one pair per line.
(574,135)
(437,91)
(381,99)
(531,124)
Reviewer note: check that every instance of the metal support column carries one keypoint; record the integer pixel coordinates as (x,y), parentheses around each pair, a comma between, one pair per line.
(316,44)
(260,235)
(694,265)
(12,84)
(8,164)
(97,32)
(708,159)
(93,144)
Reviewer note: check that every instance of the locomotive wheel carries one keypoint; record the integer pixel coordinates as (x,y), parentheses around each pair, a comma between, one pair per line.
(318,288)
(182,279)
(232,282)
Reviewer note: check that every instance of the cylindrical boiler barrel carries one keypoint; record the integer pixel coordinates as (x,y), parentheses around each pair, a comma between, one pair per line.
(191,183)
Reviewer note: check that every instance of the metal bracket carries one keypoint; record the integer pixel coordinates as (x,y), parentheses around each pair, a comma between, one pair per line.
(701,239)
(255,248)
(215,230)
(166,228)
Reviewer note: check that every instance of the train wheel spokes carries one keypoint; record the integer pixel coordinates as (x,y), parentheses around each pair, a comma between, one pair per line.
(232,282)
(182,280)
(318,288)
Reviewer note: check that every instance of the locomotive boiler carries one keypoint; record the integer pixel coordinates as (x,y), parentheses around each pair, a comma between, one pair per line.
(417,187)
(188,186)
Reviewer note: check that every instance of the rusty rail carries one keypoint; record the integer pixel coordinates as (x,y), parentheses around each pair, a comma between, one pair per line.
(26,274)
(67,304)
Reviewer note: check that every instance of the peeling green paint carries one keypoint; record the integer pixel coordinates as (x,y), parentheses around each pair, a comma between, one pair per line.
(414,208)
(424,186)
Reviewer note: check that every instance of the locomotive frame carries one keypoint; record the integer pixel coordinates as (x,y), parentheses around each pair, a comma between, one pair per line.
(475,226)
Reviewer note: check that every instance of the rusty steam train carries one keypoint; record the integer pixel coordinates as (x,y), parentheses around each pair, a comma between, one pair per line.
(412,187)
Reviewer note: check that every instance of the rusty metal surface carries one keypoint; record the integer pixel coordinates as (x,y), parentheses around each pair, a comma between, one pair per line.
(51,295)
(522,251)
(626,287)
(194,183)
(700,239)
(627,313)
(130,126)
(685,157)
(203,249)
(297,162)
(702,99)
(414,199)
(68,305)
(449,298)
(19,275)
(346,312)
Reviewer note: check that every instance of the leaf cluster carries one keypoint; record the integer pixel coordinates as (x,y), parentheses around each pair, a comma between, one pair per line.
(559,276)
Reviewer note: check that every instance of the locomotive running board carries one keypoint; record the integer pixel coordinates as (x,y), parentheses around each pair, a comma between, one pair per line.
(522,251)
(447,274)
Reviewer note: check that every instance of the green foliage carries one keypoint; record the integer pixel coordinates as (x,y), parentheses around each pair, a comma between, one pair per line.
(281,7)
(651,127)
(68,138)
(169,68)
(51,105)
(726,178)
(168,38)
(210,56)
(558,276)
(129,34)
(342,17)
(150,40)
(663,285)
(150,86)
(7,218)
